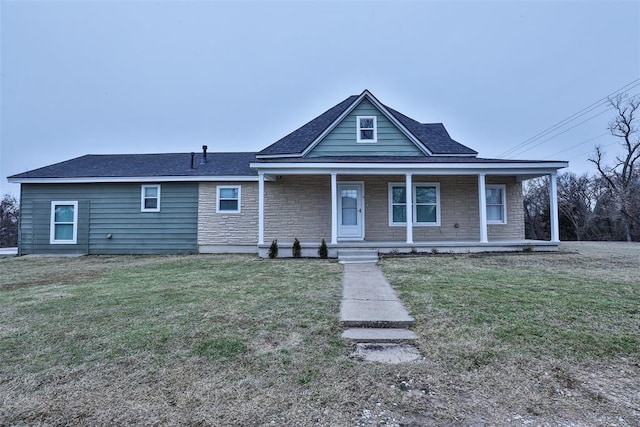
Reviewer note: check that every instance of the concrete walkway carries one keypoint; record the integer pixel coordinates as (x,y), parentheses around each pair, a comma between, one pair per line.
(8,252)
(371,308)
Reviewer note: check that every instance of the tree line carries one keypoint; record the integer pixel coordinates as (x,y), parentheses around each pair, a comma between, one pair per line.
(9,214)
(605,206)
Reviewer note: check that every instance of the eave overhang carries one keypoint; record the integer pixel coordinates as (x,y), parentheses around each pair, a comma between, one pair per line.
(133,179)
(523,170)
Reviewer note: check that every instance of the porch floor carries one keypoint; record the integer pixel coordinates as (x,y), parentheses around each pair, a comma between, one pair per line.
(460,246)
(310,249)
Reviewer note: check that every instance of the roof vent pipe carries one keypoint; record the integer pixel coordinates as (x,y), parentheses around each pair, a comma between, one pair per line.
(192,156)
(204,154)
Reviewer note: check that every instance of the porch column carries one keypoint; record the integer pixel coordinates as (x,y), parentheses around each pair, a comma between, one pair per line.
(261,208)
(482,196)
(334,209)
(409,215)
(553,207)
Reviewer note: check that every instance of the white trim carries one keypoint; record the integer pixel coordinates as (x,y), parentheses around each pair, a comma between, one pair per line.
(503,189)
(143,198)
(52,224)
(529,170)
(408,193)
(135,179)
(334,209)
(239,199)
(359,129)
(553,208)
(260,208)
(482,208)
(360,184)
(414,215)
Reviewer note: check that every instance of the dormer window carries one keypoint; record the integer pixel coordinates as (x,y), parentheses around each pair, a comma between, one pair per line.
(367,129)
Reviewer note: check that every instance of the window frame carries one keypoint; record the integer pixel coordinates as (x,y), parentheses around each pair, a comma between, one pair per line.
(503,188)
(359,129)
(52,224)
(143,198)
(414,186)
(218,199)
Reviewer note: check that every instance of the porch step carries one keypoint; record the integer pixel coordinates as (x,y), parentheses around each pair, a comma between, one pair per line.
(374,314)
(379,335)
(353,256)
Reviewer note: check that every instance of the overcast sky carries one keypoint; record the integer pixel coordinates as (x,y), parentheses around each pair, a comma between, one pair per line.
(92,77)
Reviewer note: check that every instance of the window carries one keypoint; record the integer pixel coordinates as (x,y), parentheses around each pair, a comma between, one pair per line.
(367,128)
(64,223)
(150,198)
(228,199)
(426,204)
(496,204)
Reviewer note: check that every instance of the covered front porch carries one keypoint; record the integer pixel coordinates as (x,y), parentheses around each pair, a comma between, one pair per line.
(310,249)
(446,210)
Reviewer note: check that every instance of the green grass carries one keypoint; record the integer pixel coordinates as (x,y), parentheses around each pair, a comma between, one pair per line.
(565,306)
(232,340)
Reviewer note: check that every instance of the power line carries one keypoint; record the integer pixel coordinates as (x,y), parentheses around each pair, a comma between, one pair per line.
(561,133)
(523,150)
(599,103)
(579,144)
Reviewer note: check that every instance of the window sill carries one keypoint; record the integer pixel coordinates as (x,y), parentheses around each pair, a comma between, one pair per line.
(415,224)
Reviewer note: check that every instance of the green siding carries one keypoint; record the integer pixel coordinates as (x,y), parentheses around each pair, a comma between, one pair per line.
(113,209)
(341,141)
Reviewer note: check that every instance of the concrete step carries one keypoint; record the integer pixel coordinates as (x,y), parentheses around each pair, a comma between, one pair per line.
(353,256)
(379,335)
(374,314)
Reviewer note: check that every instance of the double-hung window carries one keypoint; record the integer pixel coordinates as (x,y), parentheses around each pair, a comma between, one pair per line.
(367,128)
(228,199)
(425,199)
(64,223)
(496,204)
(150,198)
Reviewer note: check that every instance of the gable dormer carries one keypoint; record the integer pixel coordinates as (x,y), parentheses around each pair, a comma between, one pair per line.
(362,126)
(365,131)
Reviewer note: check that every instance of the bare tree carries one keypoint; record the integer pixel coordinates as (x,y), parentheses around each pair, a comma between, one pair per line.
(536,208)
(9,214)
(621,177)
(577,196)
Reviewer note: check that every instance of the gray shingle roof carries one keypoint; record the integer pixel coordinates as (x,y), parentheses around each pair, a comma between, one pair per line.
(146,165)
(433,136)
(300,138)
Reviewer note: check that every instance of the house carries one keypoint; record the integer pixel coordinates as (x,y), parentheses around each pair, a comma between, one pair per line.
(360,175)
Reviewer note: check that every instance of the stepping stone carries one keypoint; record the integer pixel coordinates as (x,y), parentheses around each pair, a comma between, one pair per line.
(386,353)
(379,335)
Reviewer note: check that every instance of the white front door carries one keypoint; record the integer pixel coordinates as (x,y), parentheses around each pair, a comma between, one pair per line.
(350,211)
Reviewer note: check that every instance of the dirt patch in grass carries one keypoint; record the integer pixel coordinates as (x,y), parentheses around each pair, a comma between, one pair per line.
(231,340)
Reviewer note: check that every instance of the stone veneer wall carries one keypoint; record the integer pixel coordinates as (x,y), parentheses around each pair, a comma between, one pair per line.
(225,229)
(300,207)
(514,228)
(458,205)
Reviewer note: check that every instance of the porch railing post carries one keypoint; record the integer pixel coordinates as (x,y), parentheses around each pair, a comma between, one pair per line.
(482,199)
(261,208)
(553,207)
(409,215)
(334,209)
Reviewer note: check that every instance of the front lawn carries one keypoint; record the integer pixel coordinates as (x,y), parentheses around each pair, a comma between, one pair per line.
(231,340)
